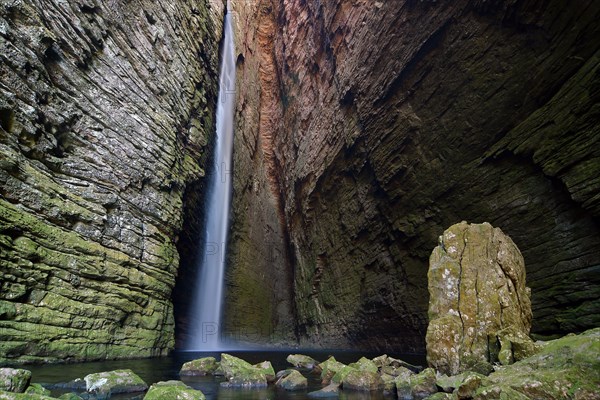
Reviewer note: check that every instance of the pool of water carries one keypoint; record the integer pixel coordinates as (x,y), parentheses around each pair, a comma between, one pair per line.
(161,369)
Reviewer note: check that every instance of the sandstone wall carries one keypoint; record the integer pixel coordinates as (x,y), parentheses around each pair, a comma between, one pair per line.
(105,110)
(396,120)
(259,295)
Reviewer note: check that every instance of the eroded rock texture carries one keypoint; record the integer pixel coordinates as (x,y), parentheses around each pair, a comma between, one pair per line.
(394,120)
(259,295)
(105,110)
(476,283)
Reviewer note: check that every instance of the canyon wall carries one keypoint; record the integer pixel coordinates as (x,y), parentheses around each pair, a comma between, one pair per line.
(259,296)
(106,108)
(383,123)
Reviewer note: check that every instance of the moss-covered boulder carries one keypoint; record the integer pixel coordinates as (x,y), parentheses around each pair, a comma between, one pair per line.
(450,383)
(114,382)
(14,380)
(329,368)
(339,376)
(36,388)
(292,382)
(385,361)
(477,289)
(389,384)
(364,364)
(173,390)
(418,386)
(302,361)
(267,368)
(362,380)
(199,367)
(566,368)
(240,373)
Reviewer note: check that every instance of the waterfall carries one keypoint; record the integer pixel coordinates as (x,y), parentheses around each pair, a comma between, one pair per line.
(208,300)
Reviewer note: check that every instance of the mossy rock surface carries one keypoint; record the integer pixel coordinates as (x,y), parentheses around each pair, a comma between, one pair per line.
(329,368)
(173,390)
(14,380)
(563,369)
(240,373)
(36,388)
(362,380)
(293,382)
(302,361)
(201,366)
(114,382)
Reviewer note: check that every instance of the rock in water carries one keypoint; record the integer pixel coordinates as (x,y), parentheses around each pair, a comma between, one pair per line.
(201,366)
(114,382)
(173,390)
(477,289)
(302,361)
(294,381)
(240,373)
(14,380)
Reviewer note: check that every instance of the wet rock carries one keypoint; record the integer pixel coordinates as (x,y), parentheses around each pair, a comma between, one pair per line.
(339,376)
(563,368)
(362,380)
(329,368)
(467,388)
(364,364)
(14,380)
(331,390)
(114,382)
(450,383)
(302,361)
(173,390)
(267,369)
(418,386)
(36,388)
(293,381)
(385,361)
(477,290)
(201,366)
(240,373)
(389,384)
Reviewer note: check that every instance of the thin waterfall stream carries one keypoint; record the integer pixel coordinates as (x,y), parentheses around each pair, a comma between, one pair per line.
(207,302)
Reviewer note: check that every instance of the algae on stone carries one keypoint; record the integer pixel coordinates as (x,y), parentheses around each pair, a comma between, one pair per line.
(477,297)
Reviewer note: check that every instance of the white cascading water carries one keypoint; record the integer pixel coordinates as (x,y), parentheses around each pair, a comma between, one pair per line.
(205,334)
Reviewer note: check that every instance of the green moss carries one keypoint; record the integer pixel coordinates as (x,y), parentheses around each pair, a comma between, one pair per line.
(172,390)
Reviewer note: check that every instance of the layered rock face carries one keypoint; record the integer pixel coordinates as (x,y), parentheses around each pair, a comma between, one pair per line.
(259,295)
(476,283)
(394,120)
(105,110)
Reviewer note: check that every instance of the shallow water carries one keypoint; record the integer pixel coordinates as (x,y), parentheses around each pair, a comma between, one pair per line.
(166,368)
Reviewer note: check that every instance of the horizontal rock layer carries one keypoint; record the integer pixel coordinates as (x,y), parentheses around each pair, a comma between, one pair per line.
(105,110)
(393,121)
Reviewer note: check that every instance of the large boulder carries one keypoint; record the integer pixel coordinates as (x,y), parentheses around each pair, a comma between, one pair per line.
(293,381)
(477,289)
(302,361)
(14,380)
(201,366)
(109,383)
(240,373)
(418,386)
(363,380)
(329,368)
(173,390)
